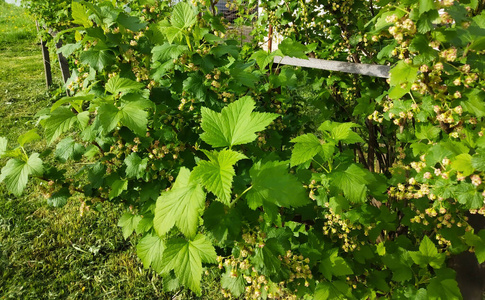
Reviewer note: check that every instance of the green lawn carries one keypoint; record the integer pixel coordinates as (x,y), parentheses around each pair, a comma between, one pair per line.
(52,253)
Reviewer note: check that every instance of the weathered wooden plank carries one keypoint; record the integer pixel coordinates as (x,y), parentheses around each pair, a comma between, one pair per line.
(332,65)
(46,60)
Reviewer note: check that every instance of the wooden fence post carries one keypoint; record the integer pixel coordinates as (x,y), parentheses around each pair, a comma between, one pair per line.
(46,60)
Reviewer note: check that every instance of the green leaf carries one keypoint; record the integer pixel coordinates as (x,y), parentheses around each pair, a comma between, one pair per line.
(68,148)
(352,182)
(425,6)
(266,258)
(167,52)
(478,161)
(403,73)
(343,132)
(183,15)
(468,195)
(293,49)
(333,290)
(150,250)
(236,124)
(28,137)
(131,22)
(236,285)
(400,264)
(97,59)
(181,206)
(428,254)
(334,265)
(109,116)
(474,103)
(263,58)
(16,173)
(135,166)
(271,184)
(439,289)
(80,15)
(117,84)
(132,114)
(117,188)
(427,132)
(224,224)
(128,222)
(478,242)
(186,258)
(59,198)
(306,147)
(60,121)
(216,174)
(463,163)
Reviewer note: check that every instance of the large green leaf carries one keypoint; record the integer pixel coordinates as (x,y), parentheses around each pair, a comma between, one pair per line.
(131,22)
(428,254)
(150,250)
(117,188)
(468,195)
(266,259)
(273,185)
(167,52)
(117,84)
(463,163)
(69,149)
(352,182)
(181,206)
(183,15)
(217,173)
(80,14)
(135,166)
(132,114)
(16,173)
(236,124)
(306,147)
(28,137)
(186,258)
(478,242)
(333,290)
(334,265)
(98,59)
(60,121)
(293,49)
(128,222)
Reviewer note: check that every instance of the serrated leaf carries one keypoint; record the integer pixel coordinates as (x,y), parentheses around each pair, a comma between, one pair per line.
(128,223)
(167,52)
(117,188)
(428,255)
(150,250)
(439,289)
(306,147)
(402,73)
(236,285)
(28,137)
(69,149)
(333,290)
(343,132)
(352,182)
(186,258)
(463,163)
(183,15)
(334,265)
(135,166)
(131,114)
(59,198)
(97,59)
(425,6)
(263,58)
(478,161)
(223,225)
(117,84)
(468,195)
(266,259)
(273,185)
(181,206)
(236,124)
(109,116)
(60,121)
(292,48)
(478,242)
(427,132)
(474,103)
(131,22)
(216,174)
(16,173)
(80,14)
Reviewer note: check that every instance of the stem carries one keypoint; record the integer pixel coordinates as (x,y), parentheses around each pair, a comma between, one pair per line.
(321,166)
(238,197)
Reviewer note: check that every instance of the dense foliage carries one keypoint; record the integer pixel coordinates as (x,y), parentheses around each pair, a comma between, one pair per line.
(297,183)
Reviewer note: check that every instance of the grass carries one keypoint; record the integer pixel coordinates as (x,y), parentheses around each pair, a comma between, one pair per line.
(57,253)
